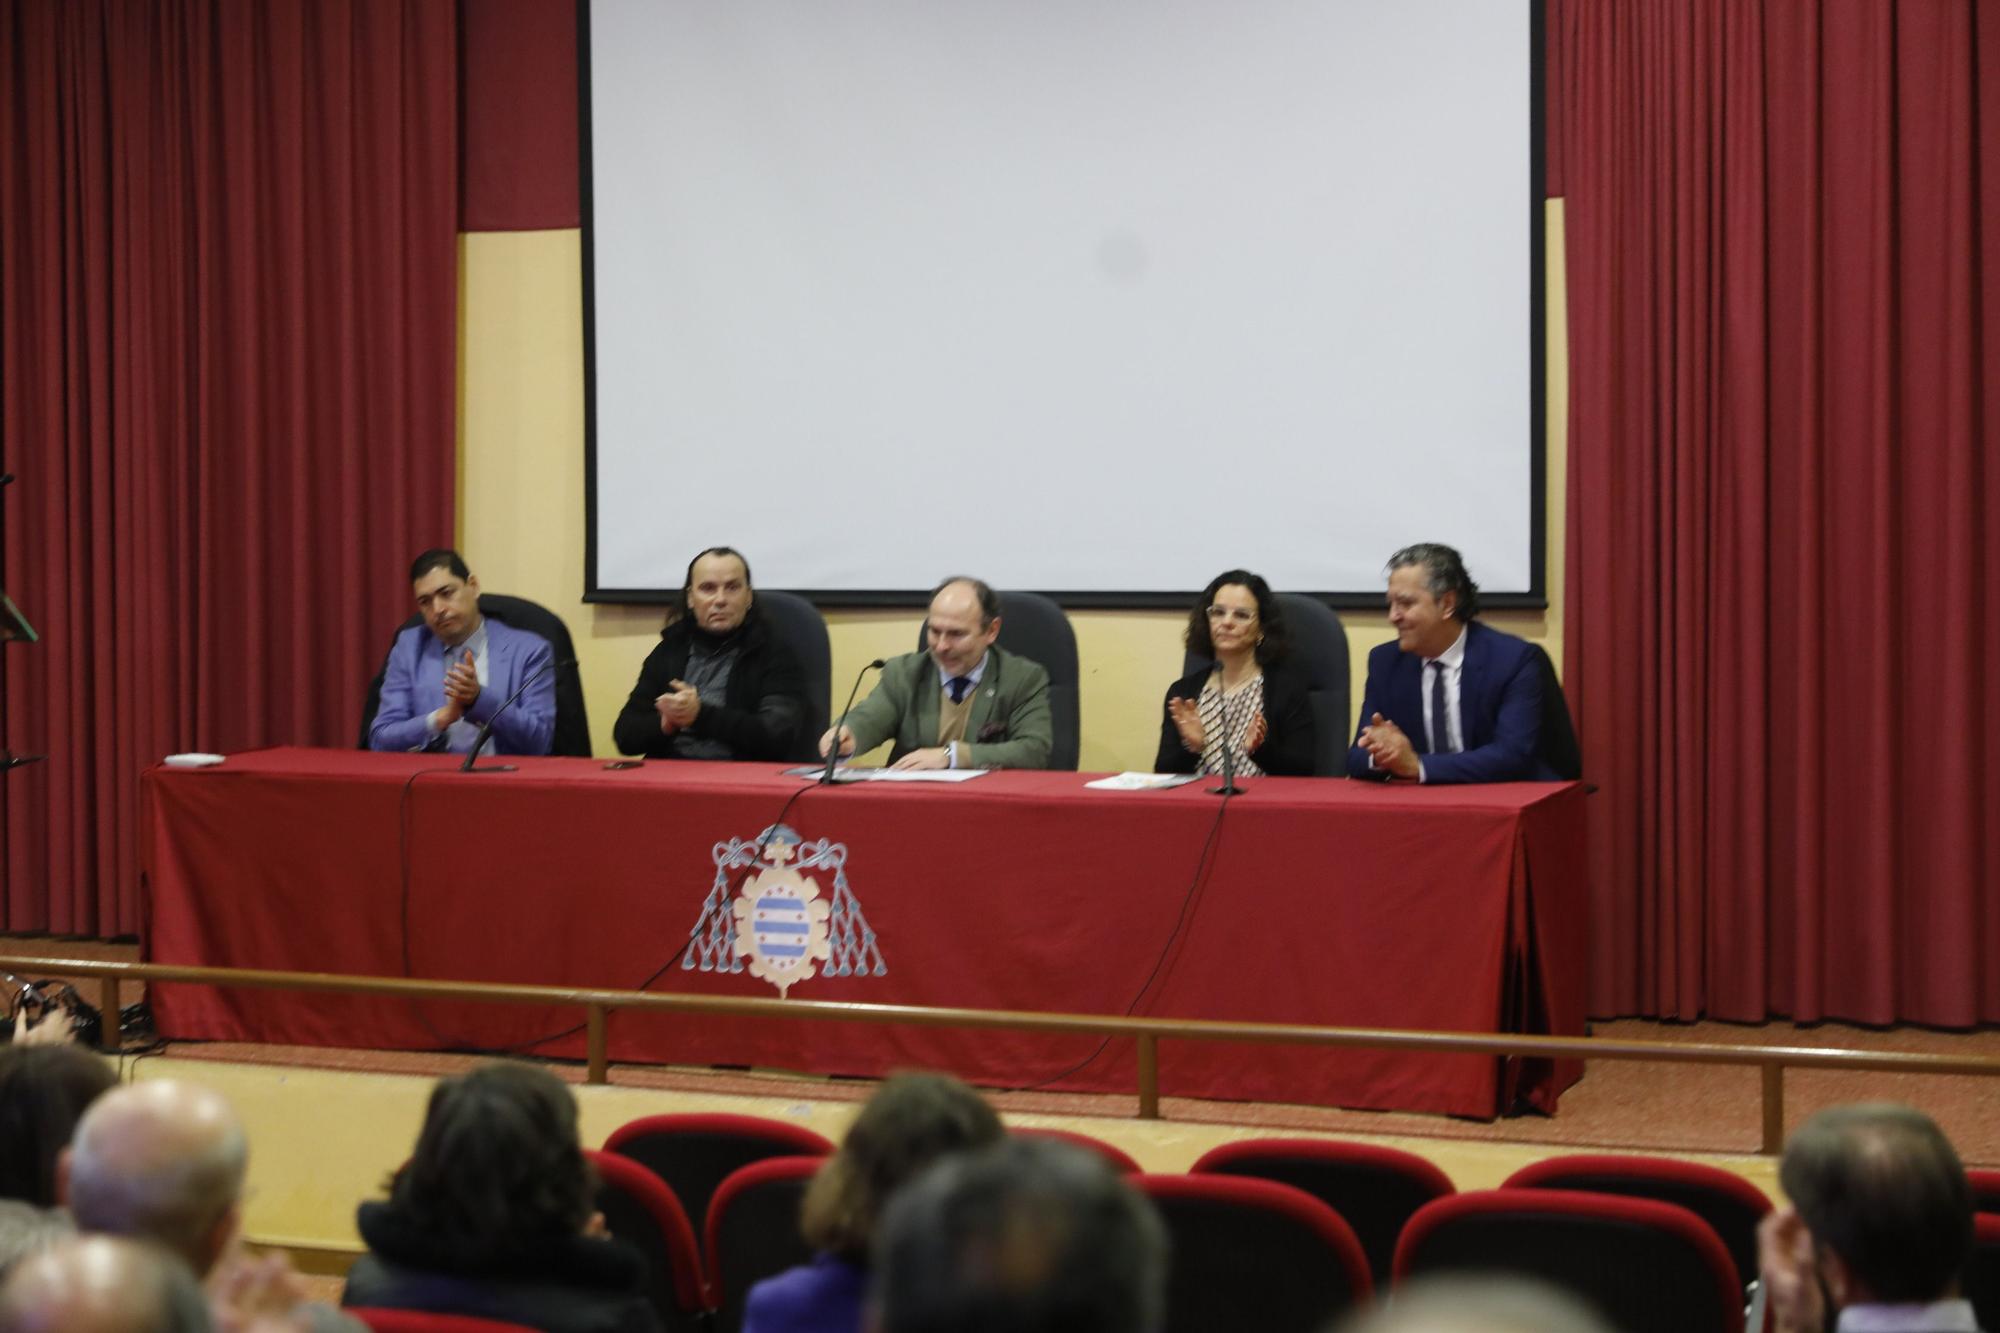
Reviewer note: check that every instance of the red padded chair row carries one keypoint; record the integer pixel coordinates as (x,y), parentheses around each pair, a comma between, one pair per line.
(1649,1267)
(383,1320)
(1370,1193)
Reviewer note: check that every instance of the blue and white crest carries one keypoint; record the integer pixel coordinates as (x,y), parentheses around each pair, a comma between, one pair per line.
(777,923)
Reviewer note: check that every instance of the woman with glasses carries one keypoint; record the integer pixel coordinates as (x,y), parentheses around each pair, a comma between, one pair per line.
(1246,696)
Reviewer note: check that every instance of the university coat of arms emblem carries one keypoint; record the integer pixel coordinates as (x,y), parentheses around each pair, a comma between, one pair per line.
(777,923)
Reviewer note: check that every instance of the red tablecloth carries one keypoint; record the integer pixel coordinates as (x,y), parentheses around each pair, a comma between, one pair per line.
(1326,902)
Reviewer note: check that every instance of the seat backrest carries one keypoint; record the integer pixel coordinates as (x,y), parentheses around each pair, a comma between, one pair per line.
(1726,1201)
(797,623)
(1319,651)
(1985,1184)
(1254,1254)
(642,1211)
(696,1153)
(1035,627)
(1648,1267)
(383,1320)
(1982,1271)
(1375,1190)
(1121,1161)
(572,729)
(753,1231)
(1560,749)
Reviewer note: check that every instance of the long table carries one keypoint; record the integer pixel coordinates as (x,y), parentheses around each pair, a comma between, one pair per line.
(1322,902)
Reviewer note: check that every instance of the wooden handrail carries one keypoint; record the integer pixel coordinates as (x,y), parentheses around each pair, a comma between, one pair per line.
(1772,1061)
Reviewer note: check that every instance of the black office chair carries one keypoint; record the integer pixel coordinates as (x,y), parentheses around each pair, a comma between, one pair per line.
(1319,650)
(572,730)
(1560,750)
(1036,628)
(797,623)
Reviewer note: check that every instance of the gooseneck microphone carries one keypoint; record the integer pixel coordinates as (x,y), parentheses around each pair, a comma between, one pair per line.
(1228,787)
(486,727)
(833,750)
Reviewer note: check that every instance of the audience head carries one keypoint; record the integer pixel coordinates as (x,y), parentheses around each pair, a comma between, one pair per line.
(1028,1236)
(716,595)
(1237,610)
(1484,1304)
(964,620)
(44,1091)
(1886,1200)
(1431,597)
(497,1163)
(102,1284)
(162,1161)
(910,1122)
(447,594)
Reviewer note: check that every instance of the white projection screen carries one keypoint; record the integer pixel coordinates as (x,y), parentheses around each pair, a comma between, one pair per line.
(1089,297)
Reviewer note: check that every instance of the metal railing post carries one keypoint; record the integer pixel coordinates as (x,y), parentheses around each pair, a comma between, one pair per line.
(594,1015)
(1149,1077)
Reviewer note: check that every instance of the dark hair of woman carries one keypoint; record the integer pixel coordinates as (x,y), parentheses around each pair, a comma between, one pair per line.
(44,1091)
(1276,641)
(498,1163)
(910,1122)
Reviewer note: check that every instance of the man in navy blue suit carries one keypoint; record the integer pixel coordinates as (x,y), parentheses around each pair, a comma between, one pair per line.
(1451,700)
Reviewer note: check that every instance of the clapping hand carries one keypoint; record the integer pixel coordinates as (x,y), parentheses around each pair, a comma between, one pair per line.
(1186,714)
(1389,747)
(461,688)
(678,707)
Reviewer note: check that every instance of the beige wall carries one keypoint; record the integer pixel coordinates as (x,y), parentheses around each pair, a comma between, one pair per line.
(521,506)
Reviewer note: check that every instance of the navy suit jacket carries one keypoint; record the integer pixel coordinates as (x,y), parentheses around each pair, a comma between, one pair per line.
(1499,711)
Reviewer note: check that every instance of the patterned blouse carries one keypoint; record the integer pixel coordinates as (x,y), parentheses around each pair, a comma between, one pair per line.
(1243,706)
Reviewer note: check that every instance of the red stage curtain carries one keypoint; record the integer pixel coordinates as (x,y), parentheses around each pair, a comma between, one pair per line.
(520,96)
(228,256)
(1783,510)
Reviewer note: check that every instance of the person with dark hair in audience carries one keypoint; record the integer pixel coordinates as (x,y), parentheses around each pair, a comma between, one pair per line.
(1029,1236)
(910,1122)
(103,1284)
(449,676)
(1451,700)
(964,702)
(1877,1229)
(720,684)
(44,1091)
(493,1216)
(1250,700)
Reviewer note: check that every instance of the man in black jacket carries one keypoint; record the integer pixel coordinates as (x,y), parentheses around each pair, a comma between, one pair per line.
(719,685)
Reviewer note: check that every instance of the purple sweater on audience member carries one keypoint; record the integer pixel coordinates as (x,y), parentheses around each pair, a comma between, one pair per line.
(824,1296)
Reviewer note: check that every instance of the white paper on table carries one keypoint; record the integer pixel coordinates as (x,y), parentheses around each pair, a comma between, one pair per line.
(845,774)
(1143,781)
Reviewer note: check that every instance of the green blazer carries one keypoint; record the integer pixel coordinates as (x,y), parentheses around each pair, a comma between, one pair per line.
(1009,726)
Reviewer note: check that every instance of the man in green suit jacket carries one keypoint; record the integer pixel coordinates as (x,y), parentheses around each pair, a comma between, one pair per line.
(965,703)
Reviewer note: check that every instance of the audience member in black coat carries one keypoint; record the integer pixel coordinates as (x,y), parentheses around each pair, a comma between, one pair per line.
(492,1216)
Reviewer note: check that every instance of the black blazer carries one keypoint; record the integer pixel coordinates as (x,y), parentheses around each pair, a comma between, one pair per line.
(1289,742)
(763,705)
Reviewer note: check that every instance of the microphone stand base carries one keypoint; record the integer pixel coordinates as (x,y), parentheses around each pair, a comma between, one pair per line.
(491,768)
(1226,789)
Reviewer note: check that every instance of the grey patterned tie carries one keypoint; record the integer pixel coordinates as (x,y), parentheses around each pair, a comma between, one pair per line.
(1440,726)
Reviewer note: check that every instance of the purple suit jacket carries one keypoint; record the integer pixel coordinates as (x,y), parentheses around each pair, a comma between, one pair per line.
(824,1296)
(413,687)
